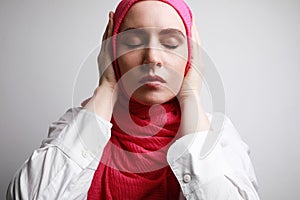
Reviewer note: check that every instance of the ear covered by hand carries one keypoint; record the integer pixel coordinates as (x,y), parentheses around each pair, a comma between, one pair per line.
(193,80)
(107,76)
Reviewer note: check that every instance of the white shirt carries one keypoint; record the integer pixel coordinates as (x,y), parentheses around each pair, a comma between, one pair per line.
(64,165)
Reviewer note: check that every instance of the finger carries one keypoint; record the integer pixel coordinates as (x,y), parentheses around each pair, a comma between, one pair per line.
(110,24)
(105,54)
(109,33)
(108,30)
(197,62)
(195,33)
(195,53)
(105,35)
(104,40)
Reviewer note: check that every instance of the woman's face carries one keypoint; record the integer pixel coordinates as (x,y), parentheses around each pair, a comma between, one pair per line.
(152,52)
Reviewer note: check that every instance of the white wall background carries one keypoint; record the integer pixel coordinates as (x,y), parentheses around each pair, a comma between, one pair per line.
(254,44)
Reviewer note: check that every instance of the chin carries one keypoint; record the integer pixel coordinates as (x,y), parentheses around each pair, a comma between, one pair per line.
(152,98)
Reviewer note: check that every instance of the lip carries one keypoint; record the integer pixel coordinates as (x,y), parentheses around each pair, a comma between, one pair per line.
(152,81)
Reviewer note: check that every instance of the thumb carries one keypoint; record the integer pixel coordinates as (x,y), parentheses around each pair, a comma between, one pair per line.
(85,101)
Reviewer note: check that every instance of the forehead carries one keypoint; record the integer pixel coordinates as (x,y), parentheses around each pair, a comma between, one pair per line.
(154,14)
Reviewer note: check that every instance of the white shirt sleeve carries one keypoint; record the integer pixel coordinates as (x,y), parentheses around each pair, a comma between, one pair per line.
(63,167)
(225,172)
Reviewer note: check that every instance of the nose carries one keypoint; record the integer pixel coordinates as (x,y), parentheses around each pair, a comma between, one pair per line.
(152,58)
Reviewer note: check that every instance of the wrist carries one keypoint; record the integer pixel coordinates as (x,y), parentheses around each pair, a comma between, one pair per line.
(107,84)
(190,97)
(103,101)
(193,116)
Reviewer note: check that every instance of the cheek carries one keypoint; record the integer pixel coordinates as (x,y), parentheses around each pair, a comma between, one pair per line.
(178,60)
(181,67)
(178,66)
(176,74)
(123,65)
(128,61)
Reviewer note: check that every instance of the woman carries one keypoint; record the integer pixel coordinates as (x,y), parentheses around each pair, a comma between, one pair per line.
(140,135)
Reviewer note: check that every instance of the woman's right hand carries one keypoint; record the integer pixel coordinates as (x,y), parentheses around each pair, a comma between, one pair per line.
(105,95)
(106,72)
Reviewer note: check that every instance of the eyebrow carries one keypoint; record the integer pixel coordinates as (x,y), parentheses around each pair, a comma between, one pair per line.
(162,32)
(135,30)
(171,30)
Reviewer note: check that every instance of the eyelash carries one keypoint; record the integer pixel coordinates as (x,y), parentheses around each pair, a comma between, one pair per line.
(138,45)
(133,46)
(170,46)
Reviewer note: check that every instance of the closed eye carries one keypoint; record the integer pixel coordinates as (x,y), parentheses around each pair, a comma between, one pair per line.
(132,41)
(133,46)
(170,42)
(170,46)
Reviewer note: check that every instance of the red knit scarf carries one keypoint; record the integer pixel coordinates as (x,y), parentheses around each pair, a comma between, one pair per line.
(133,165)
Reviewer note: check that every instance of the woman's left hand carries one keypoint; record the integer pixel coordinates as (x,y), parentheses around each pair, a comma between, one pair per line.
(193,80)
(193,117)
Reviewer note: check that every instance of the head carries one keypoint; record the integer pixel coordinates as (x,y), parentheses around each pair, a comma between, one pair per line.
(152,48)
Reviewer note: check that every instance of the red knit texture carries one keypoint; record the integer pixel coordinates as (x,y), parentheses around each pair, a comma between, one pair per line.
(134,166)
